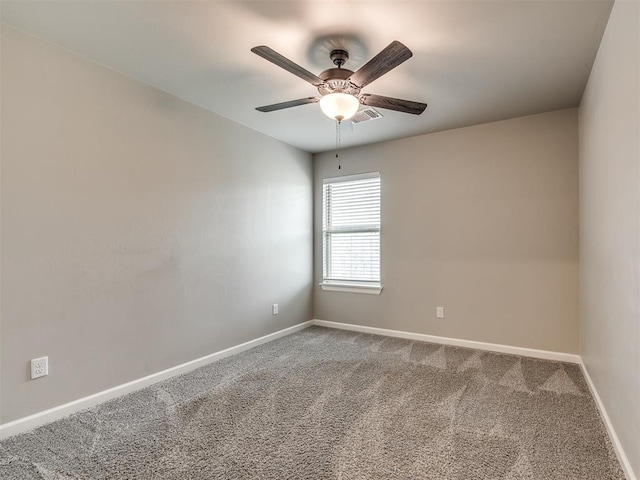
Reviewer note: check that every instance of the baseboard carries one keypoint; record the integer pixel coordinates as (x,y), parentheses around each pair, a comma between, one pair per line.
(617,446)
(41,418)
(422,337)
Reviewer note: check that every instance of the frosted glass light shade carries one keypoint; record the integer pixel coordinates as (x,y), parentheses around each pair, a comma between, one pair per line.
(339,106)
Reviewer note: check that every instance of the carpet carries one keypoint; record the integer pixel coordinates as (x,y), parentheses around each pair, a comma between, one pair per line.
(331,404)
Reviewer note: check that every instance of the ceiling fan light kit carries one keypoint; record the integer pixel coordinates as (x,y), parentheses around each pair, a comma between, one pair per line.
(339,88)
(339,106)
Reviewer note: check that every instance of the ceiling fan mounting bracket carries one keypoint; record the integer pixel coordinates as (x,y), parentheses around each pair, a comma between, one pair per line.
(339,57)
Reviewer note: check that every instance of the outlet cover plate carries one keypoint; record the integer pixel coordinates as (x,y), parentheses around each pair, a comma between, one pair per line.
(39,367)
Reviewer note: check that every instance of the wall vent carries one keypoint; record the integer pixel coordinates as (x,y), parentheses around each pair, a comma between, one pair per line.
(366,115)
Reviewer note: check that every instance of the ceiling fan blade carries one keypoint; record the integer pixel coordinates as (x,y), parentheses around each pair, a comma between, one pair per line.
(406,106)
(283,62)
(289,104)
(388,59)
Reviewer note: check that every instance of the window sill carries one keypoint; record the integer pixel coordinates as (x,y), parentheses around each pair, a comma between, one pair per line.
(351,288)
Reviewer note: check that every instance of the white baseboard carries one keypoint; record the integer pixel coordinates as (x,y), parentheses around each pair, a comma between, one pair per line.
(617,446)
(41,418)
(422,337)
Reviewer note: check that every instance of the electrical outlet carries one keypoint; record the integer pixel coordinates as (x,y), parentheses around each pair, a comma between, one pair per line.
(274,309)
(439,312)
(39,367)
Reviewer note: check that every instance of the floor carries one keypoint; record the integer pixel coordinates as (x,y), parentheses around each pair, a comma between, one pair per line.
(332,404)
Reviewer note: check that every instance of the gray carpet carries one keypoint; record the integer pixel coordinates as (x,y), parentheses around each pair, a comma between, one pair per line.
(329,404)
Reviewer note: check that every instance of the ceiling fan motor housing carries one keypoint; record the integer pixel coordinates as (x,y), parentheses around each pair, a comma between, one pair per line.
(336,80)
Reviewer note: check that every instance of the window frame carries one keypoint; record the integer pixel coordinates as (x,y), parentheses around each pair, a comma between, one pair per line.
(372,287)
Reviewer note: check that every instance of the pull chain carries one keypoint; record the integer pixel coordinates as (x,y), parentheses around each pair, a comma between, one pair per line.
(338,141)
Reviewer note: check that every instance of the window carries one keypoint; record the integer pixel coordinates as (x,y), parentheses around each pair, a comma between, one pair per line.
(351,233)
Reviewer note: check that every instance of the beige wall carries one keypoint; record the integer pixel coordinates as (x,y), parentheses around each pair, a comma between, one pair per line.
(610,225)
(480,220)
(138,231)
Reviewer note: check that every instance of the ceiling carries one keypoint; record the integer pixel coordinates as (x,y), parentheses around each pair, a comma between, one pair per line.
(473,61)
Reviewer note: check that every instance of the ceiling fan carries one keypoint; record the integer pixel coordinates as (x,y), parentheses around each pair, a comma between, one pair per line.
(340,88)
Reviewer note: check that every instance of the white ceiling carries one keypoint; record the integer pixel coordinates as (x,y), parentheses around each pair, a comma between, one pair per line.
(474,61)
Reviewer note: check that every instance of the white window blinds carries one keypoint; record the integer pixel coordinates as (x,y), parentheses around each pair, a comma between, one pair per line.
(351,229)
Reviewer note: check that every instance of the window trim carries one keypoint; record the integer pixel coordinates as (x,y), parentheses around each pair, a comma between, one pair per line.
(349,286)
